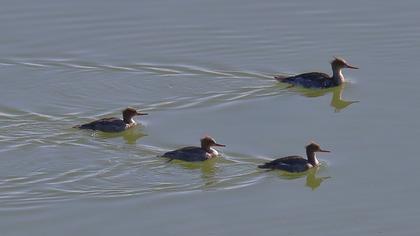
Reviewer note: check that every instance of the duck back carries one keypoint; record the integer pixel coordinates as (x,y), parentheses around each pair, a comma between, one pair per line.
(309,80)
(187,154)
(112,124)
(289,163)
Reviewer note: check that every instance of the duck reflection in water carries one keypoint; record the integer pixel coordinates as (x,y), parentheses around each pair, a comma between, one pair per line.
(313,181)
(130,136)
(208,169)
(336,100)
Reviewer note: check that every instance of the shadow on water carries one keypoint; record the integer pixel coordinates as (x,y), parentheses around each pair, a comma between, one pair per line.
(130,136)
(313,181)
(337,101)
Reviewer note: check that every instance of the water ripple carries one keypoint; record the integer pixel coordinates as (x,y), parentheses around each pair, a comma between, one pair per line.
(127,178)
(71,164)
(159,69)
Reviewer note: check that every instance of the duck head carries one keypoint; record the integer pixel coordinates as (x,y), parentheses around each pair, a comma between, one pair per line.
(129,113)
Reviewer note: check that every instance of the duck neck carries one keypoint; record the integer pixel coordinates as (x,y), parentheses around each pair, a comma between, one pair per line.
(128,119)
(337,77)
(312,157)
(206,147)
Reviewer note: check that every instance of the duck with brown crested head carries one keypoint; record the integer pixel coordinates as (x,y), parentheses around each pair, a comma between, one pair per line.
(113,124)
(296,163)
(202,153)
(318,79)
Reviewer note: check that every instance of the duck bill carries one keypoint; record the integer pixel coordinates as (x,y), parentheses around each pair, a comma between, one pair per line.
(142,114)
(219,145)
(352,67)
(322,150)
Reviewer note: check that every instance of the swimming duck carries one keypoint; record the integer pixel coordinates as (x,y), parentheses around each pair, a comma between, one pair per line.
(114,124)
(202,153)
(317,79)
(296,163)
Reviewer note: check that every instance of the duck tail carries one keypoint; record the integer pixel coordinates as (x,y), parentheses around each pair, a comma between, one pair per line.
(280,78)
(265,166)
(84,126)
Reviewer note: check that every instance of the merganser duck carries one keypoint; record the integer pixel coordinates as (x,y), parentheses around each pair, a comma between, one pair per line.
(317,79)
(296,163)
(191,154)
(114,124)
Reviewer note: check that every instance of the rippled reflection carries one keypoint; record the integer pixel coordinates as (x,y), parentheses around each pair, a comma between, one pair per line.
(337,100)
(130,136)
(206,167)
(208,170)
(313,181)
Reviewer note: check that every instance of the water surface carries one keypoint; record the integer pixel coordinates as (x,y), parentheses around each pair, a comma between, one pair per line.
(205,68)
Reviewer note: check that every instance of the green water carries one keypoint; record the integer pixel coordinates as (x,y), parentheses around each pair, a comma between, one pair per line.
(205,68)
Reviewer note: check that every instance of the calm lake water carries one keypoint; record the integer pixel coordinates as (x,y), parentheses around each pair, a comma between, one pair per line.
(205,67)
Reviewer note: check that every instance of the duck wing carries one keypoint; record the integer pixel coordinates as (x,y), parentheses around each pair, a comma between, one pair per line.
(111,124)
(309,80)
(289,163)
(187,154)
